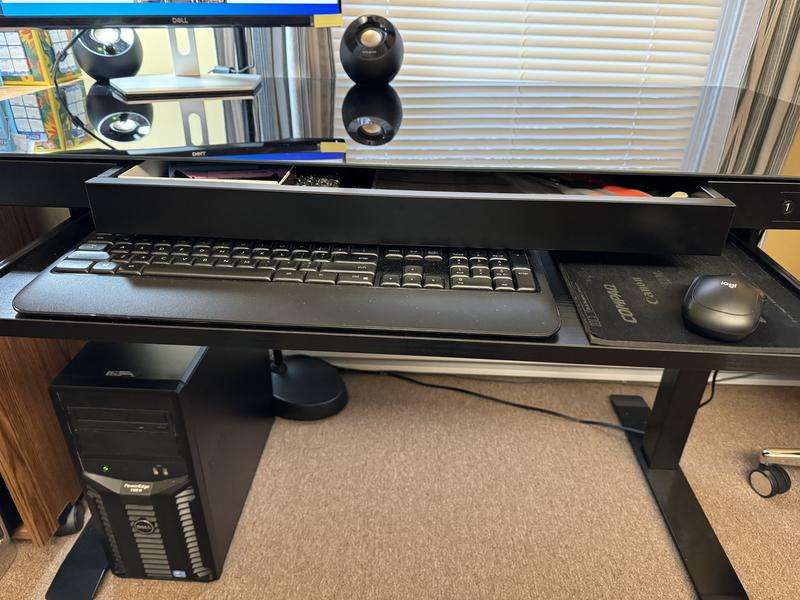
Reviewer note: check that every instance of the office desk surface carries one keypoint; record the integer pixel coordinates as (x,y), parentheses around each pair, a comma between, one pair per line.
(570,345)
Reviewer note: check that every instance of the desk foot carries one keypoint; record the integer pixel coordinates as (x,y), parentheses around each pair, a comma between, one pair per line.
(82,570)
(306,388)
(708,566)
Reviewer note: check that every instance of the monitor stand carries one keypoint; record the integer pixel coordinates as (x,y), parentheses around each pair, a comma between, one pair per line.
(187,79)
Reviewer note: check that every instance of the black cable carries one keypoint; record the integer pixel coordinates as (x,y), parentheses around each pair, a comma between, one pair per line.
(61,97)
(713,389)
(537,409)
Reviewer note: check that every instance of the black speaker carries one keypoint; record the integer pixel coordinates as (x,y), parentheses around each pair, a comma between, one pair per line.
(166,440)
(117,120)
(109,53)
(371,50)
(372,114)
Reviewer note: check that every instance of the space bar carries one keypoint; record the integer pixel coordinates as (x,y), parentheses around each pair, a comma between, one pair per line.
(207,272)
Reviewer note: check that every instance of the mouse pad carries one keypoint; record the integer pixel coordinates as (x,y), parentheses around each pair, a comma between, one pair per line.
(637,300)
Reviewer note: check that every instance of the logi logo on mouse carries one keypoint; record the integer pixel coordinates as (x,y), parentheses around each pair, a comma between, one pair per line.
(729,284)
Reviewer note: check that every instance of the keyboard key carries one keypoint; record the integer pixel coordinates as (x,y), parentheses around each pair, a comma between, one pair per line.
(267,265)
(161,260)
(321,255)
(262,254)
(390,280)
(368,268)
(483,272)
(394,253)
(125,246)
(205,272)
(354,259)
(140,259)
(459,261)
(143,246)
(246,263)
(202,246)
(412,270)
(497,254)
(501,272)
(518,259)
(101,237)
(365,250)
(478,261)
(95,247)
(470,283)
(434,254)
(412,281)
(525,280)
(499,262)
(162,249)
(477,254)
(83,255)
(288,276)
(183,261)
(459,271)
(226,263)
(308,267)
(434,282)
(281,254)
(355,279)
(340,249)
(221,253)
(241,253)
(413,254)
(204,261)
(105,268)
(503,285)
(324,278)
(204,251)
(458,253)
(182,251)
(73,266)
(131,269)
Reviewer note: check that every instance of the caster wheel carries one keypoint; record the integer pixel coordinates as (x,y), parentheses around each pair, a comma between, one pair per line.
(770,480)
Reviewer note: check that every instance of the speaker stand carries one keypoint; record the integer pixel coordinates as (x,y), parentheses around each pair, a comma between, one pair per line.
(306,388)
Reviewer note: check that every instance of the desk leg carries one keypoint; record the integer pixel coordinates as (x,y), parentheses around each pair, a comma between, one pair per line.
(667,428)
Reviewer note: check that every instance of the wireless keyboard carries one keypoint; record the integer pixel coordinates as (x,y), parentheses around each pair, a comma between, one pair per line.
(307,285)
(323,264)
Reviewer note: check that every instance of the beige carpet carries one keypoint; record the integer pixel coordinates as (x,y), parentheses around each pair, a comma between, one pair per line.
(413,493)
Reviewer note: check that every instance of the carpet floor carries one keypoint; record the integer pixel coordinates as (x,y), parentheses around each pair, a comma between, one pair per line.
(415,493)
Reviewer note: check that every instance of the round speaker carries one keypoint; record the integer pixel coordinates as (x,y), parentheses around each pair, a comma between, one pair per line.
(372,114)
(117,120)
(371,50)
(109,53)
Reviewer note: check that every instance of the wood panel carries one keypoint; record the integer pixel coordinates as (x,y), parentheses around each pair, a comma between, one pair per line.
(34,459)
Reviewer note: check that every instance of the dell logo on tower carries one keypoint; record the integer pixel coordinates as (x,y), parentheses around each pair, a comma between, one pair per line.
(144,526)
(180,21)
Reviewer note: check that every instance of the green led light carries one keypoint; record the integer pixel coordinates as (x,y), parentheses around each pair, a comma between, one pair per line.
(105,468)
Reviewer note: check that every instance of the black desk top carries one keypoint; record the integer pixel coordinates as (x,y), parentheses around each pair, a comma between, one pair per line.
(435,123)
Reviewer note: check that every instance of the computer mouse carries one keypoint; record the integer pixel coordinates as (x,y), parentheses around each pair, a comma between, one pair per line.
(723,307)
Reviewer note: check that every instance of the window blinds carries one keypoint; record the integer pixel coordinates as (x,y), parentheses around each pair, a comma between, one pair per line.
(581,41)
(532,84)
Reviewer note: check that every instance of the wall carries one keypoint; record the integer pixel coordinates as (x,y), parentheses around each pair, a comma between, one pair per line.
(784,246)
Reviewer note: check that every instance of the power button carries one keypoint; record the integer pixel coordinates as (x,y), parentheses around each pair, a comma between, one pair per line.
(788,207)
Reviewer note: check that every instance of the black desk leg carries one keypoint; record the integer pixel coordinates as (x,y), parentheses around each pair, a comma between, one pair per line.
(667,428)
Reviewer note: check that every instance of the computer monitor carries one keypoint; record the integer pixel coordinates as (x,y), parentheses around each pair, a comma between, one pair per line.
(132,13)
(187,80)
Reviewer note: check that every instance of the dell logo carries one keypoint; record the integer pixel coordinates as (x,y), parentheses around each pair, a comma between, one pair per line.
(143,526)
(199,153)
(180,21)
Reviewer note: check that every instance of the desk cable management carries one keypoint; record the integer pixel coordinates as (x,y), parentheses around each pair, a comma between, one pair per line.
(536,409)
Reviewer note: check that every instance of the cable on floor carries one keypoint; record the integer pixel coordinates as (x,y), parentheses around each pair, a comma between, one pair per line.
(536,409)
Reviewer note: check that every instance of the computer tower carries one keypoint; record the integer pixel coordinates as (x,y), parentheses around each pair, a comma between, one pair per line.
(167,440)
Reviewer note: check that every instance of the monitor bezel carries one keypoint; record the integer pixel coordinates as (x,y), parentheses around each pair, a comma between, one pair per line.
(87,22)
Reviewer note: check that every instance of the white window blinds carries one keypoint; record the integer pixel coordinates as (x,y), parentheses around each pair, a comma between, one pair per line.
(581,41)
(578,49)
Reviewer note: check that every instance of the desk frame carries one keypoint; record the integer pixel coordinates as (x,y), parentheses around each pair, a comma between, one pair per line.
(667,426)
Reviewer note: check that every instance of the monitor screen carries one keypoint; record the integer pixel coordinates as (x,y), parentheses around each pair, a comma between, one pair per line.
(93,13)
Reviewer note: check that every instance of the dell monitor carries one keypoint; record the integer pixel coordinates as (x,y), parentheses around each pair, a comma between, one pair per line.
(187,80)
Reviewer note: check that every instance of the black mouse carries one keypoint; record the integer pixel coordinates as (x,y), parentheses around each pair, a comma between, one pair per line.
(723,307)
